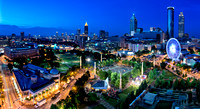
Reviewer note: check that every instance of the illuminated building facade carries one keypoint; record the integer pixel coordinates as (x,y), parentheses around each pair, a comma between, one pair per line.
(86,29)
(17,52)
(36,83)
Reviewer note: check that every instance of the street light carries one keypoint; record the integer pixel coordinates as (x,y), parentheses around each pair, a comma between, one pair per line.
(88,59)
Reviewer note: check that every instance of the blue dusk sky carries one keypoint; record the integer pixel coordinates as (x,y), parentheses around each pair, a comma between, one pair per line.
(110,15)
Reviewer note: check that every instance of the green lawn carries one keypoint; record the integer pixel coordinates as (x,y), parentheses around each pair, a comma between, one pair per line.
(100,106)
(129,89)
(169,75)
(63,68)
(66,61)
(125,93)
(69,58)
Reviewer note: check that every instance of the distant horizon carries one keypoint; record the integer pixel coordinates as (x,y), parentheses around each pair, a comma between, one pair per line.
(60,30)
(111,16)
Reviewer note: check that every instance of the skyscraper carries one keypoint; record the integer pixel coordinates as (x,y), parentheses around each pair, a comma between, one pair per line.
(29,35)
(133,25)
(56,33)
(62,35)
(22,36)
(86,28)
(13,36)
(107,34)
(181,22)
(102,34)
(170,22)
(78,31)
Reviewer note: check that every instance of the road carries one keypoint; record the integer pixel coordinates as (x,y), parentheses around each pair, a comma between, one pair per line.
(8,101)
(11,96)
(63,93)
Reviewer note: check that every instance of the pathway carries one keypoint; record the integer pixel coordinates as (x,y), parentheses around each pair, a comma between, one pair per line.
(104,103)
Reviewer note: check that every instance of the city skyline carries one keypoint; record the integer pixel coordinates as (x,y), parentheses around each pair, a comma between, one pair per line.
(70,19)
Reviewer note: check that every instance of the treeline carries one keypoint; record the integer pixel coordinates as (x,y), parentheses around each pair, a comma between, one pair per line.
(77,95)
(132,96)
(114,77)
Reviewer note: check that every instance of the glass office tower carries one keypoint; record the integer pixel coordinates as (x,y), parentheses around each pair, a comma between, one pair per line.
(133,25)
(170,22)
(181,23)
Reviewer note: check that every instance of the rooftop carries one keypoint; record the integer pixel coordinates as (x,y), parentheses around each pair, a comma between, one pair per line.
(192,55)
(24,79)
(149,98)
(99,84)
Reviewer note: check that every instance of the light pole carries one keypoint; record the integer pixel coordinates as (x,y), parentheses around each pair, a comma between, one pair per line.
(142,70)
(101,57)
(95,69)
(80,62)
(120,82)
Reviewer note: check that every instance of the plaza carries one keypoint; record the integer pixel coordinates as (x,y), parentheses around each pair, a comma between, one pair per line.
(117,68)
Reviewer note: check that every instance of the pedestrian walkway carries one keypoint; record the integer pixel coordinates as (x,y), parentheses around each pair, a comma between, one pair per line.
(104,103)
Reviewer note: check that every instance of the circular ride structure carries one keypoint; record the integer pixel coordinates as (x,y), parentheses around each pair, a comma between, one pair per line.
(173,49)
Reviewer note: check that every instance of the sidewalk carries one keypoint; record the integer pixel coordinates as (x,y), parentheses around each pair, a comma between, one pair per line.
(104,103)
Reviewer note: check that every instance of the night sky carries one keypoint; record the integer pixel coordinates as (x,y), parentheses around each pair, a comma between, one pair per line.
(110,15)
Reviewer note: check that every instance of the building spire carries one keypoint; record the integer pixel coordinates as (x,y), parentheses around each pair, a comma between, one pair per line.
(86,24)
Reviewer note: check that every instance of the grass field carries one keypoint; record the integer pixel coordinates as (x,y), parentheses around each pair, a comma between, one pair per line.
(125,93)
(70,59)
(168,75)
(67,61)
(63,68)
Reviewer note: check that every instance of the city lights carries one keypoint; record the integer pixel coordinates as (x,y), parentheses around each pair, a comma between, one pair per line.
(99,54)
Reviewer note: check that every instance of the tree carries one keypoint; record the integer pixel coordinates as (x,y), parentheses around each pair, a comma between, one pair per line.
(92,98)
(193,84)
(117,82)
(151,75)
(163,65)
(135,72)
(182,85)
(191,51)
(10,66)
(157,82)
(197,66)
(169,84)
(153,48)
(187,83)
(113,77)
(125,79)
(53,106)
(103,75)
(175,85)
